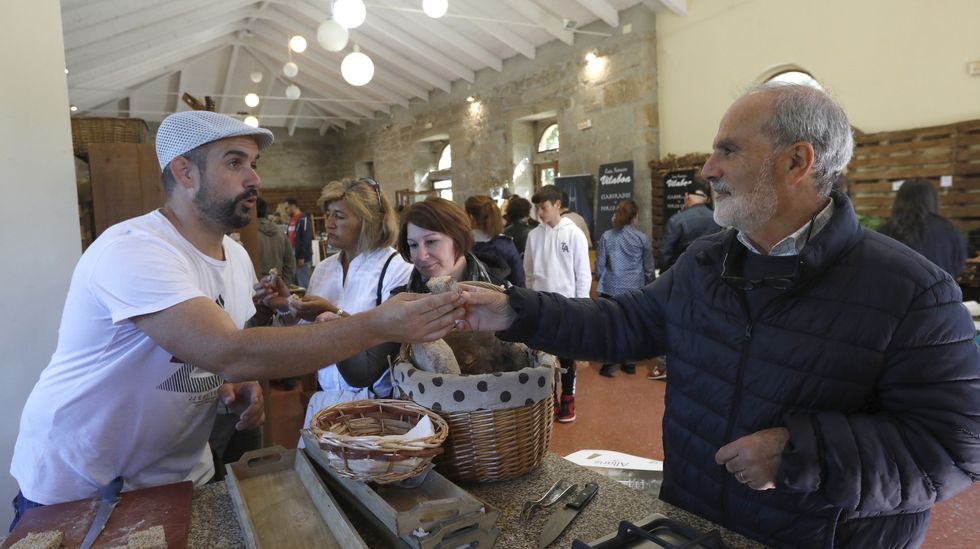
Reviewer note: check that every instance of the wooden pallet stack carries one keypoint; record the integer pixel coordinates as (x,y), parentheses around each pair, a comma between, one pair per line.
(882,158)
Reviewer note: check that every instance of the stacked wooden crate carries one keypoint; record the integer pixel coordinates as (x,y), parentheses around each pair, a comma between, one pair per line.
(881,159)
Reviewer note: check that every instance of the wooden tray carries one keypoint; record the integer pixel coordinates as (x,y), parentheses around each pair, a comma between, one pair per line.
(281,502)
(429,515)
(168,506)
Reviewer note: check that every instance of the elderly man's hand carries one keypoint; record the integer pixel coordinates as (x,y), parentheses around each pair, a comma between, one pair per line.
(486,310)
(247,397)
(755,458)
(414,318)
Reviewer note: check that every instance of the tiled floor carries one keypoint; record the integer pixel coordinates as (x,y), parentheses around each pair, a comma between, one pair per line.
(624,414)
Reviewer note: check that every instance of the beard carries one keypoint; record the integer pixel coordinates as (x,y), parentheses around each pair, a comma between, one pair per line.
(223,213)
(747,211)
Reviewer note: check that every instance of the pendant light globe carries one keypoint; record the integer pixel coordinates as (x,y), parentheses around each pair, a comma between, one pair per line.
(349,13)
(435,8)
(357,68)
(332,35)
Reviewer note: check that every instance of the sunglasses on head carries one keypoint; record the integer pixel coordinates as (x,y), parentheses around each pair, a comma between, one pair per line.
(374,185)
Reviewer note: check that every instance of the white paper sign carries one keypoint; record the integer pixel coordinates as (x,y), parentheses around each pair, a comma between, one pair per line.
(897,184)
(946,181)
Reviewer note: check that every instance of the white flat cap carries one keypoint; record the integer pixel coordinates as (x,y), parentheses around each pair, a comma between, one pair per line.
(184,131)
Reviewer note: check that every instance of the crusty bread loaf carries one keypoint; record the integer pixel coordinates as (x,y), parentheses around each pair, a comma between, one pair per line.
(443,284)
(150,538)
(52,539)
(436,357)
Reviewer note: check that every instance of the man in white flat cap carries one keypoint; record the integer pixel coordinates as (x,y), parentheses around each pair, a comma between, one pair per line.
(152,334)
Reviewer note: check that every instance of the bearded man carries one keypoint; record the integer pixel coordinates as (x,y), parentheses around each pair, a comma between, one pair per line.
(152,330)
(824,385)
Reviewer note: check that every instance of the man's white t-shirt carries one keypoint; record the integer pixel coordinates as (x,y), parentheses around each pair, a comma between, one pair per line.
(356,294)
(556,259)
(111,401)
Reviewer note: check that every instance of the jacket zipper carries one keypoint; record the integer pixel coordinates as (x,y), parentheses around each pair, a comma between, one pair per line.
(749,326)
(726,479)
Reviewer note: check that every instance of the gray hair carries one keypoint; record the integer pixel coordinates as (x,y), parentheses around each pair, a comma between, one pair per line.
(804,113)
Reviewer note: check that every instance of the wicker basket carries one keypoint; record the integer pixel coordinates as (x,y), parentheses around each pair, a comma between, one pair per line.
(499,423)
(361,442)
(106,130)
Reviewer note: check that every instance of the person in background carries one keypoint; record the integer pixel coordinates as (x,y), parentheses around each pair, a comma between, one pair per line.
(490,245)
(276,252)
(624,261)
(152,336)
(916,222)
(362,225)
(300,232)
(557,260)
(517,213)
(575,217)
(693,222)
(825,385)
(435,236)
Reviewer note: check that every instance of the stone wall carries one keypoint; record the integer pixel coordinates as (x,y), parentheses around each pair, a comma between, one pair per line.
(615,96)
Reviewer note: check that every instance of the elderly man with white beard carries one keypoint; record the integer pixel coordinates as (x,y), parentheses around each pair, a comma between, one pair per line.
(825,386)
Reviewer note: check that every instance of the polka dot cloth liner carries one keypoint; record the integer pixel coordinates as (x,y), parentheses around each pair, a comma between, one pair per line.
(468,393)
(187,130)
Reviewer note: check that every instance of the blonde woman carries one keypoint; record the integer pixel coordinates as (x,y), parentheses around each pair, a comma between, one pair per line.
(362,225)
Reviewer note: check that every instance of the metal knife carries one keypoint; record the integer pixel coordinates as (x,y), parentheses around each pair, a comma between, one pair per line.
(564,516)
(108,498)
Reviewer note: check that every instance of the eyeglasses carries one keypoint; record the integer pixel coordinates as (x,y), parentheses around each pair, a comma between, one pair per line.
(779,282)
(782,282)
(377,189)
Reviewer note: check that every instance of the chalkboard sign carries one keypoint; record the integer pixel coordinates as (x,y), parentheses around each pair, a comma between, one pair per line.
(615,185)
(675,187)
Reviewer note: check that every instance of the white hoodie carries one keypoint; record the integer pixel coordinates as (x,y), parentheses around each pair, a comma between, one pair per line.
(556,259)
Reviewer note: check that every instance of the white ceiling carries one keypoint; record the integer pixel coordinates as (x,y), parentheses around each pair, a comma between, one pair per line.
(137,57)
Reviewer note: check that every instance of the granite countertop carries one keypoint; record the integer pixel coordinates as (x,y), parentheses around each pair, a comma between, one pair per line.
(214,524)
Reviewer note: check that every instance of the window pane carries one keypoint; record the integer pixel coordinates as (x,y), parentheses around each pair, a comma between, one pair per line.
(796,77)
(442,184)
(446,158)
(549,139)
(548,176)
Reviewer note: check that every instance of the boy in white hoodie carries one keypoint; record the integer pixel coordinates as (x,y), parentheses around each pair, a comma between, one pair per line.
(556,259)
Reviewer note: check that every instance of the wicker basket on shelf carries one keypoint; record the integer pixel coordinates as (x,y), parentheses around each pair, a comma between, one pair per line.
(499,423)
(86,130)
(362,439)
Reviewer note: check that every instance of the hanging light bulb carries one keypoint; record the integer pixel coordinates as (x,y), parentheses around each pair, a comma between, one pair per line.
(255,76)
(349,13)
(332,35)
(297,44)
(251,121)
(290,69)
(73,108)
(293,91)
(252,100)
(357,68)
(435,8)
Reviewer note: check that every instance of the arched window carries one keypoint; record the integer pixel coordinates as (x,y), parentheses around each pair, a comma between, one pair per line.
(795,77)
(549,139)
(445,158)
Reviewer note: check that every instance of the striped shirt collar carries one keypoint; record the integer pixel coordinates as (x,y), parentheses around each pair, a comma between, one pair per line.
(794,243)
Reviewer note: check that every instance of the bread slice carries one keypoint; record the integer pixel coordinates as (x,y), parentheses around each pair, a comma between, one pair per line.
(150,538)
(52,539)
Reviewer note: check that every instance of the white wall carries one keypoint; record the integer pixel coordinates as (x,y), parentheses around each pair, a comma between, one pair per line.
(39,240)
(893,64)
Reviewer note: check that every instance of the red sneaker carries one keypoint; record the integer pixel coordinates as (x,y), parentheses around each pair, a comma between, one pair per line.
(566,413)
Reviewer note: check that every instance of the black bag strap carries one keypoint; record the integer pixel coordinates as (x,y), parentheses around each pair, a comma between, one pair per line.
(381,279)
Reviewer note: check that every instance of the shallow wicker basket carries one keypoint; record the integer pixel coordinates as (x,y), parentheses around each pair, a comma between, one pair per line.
(359,439)
(499,423)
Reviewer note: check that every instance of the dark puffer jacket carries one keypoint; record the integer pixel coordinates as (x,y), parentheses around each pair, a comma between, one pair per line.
(868,360)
